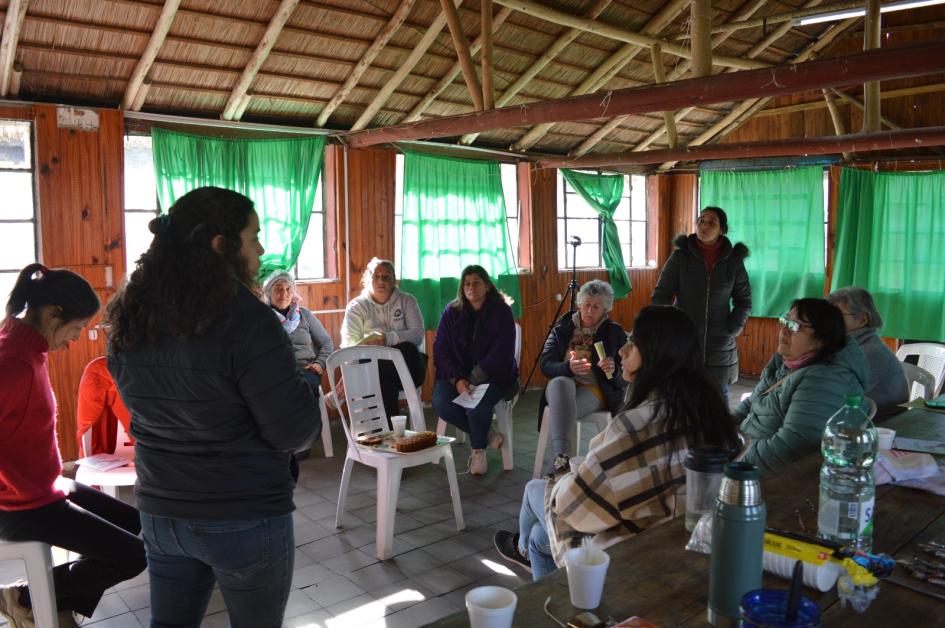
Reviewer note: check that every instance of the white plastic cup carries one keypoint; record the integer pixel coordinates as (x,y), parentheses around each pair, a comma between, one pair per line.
(574,462)
(821,577)
(399,423)
(491,607)
(885,437)
(587,570)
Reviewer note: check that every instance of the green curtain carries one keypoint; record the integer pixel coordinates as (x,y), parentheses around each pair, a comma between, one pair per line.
(453,216)
(779,216)
(279,175)
(603,193)
(891,241)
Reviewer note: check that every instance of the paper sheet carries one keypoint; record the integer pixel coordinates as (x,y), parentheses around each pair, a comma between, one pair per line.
(918,444)
(103,462)
(473,397)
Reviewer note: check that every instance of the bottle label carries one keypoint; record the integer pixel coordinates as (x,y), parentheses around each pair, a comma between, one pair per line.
(828,517)
(865,518)
(834,514)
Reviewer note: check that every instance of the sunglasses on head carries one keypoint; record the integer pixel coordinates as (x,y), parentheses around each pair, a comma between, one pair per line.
(792,326)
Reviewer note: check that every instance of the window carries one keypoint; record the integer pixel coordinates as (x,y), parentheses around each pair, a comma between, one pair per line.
(18,211)
(141,206)
(575,217)
(512,207)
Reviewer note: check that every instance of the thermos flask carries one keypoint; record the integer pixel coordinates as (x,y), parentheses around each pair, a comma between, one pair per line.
(738,528)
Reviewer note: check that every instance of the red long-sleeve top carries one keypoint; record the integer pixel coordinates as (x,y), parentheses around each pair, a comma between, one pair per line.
(29,453)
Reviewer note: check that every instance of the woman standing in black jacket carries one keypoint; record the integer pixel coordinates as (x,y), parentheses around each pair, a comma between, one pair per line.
(706,276)
(217,406)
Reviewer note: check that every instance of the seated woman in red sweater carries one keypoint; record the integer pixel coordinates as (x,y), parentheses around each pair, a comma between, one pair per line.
(36,504)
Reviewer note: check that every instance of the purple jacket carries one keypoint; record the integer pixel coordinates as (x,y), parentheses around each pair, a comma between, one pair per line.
(492,347)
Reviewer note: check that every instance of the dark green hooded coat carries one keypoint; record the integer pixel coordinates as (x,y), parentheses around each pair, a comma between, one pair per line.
(718,303)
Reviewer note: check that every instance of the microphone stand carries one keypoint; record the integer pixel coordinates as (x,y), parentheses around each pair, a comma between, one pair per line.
(572,290)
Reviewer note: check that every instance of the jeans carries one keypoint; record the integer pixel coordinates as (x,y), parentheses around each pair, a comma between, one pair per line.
(251,560)
(390,380)
(567,402)
(723,388)
(101,529)
(533,534)
(474,421)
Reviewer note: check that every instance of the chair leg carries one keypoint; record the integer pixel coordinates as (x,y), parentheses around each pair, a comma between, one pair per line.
(326,434)
(577,438)
(454,487)
(42,590)
(111,491)
(542,444)
(440,431)
(388,488)
(504,419)
(343,490)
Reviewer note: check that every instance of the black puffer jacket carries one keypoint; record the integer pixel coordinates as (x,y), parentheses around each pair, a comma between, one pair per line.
(215,419)
(718,304)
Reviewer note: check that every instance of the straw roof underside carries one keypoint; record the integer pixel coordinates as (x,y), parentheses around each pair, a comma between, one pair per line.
(86,51)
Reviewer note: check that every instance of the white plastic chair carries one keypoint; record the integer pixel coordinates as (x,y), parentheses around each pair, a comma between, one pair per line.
(362,413)
(599,418)
(109,480)
(921,382)
(931,358)
(503,414)
(326,429)
(39,574)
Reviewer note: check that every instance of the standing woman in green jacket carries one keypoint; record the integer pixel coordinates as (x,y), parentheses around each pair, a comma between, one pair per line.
(705,277)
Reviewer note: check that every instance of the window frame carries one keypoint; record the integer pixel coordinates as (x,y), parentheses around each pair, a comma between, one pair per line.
(30,161)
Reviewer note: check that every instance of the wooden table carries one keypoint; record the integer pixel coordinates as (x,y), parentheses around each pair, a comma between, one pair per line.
(653,576)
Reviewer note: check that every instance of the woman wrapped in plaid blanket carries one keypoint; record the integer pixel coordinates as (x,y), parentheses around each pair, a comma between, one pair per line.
(632,477)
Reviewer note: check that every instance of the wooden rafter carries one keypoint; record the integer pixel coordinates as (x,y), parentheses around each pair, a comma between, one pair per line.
(15,79)
(660,77)
(606,30)
(488,79)
(393,82)
(859,104)
(871,41)
(366,59)
(281,16)
(140,73)
(835,117)
(884,64)
(553,50)
(16,11)
(609,68)
(864,142)
(461,44)
(768,20)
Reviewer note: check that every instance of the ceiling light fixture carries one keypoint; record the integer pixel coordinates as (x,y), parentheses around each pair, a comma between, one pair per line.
(834,16)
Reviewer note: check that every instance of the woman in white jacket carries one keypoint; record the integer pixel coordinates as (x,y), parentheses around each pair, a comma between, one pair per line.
(383,315)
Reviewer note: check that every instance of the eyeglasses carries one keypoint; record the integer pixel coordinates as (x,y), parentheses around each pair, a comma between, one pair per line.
(792,326)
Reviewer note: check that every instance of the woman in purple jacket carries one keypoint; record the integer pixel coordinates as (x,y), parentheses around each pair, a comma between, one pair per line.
(474,346)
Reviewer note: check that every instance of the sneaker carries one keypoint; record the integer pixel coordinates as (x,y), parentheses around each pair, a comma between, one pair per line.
(495,440)
(477,462)
(18,614)
(507,545)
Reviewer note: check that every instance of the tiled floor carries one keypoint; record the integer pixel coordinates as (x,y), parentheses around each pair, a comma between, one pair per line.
(339,582)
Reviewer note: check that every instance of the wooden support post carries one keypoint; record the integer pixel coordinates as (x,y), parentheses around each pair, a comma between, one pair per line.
(871,41)
(838,126)
(15,79)
(701,42)
(282,15)
(158,35)
(461,44)
(12,23)
(142,95)
(488,80)
(660,76)
(366,59)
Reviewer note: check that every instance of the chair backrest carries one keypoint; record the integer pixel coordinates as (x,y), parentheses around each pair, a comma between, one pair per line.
(931,358)
(921,382)
(362,410)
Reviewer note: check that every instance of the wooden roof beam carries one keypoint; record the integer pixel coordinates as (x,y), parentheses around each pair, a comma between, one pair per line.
(768,20)
(659,74)
(701,42)
(367,58)
(394,81)
(279,19)
(609,68)
(606,30)
(143,67)
(485,32)
(871,41)
(866,142)
(836,118)
(461,44)
(887,63)
(12,23)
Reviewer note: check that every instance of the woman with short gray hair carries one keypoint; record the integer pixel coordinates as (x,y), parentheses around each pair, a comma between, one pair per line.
(887,384)
(580,381)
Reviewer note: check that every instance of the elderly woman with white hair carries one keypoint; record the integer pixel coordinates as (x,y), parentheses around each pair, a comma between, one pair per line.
(310,340)
(887,383)
(581,382)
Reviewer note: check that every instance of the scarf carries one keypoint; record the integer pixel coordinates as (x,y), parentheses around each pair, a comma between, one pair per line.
(290,320)
(801,361)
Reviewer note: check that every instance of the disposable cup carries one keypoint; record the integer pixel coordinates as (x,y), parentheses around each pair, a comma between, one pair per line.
(574,462)
(886,437)
(587,570)
(821,577)
(491,607)
(399,423)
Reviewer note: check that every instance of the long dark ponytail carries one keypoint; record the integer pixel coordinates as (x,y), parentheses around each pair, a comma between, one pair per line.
(38,286)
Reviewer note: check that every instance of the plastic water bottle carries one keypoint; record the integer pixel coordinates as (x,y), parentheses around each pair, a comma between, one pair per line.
(847,479)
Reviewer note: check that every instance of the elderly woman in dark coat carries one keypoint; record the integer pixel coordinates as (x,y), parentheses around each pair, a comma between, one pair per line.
(475,345)
(705,277)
